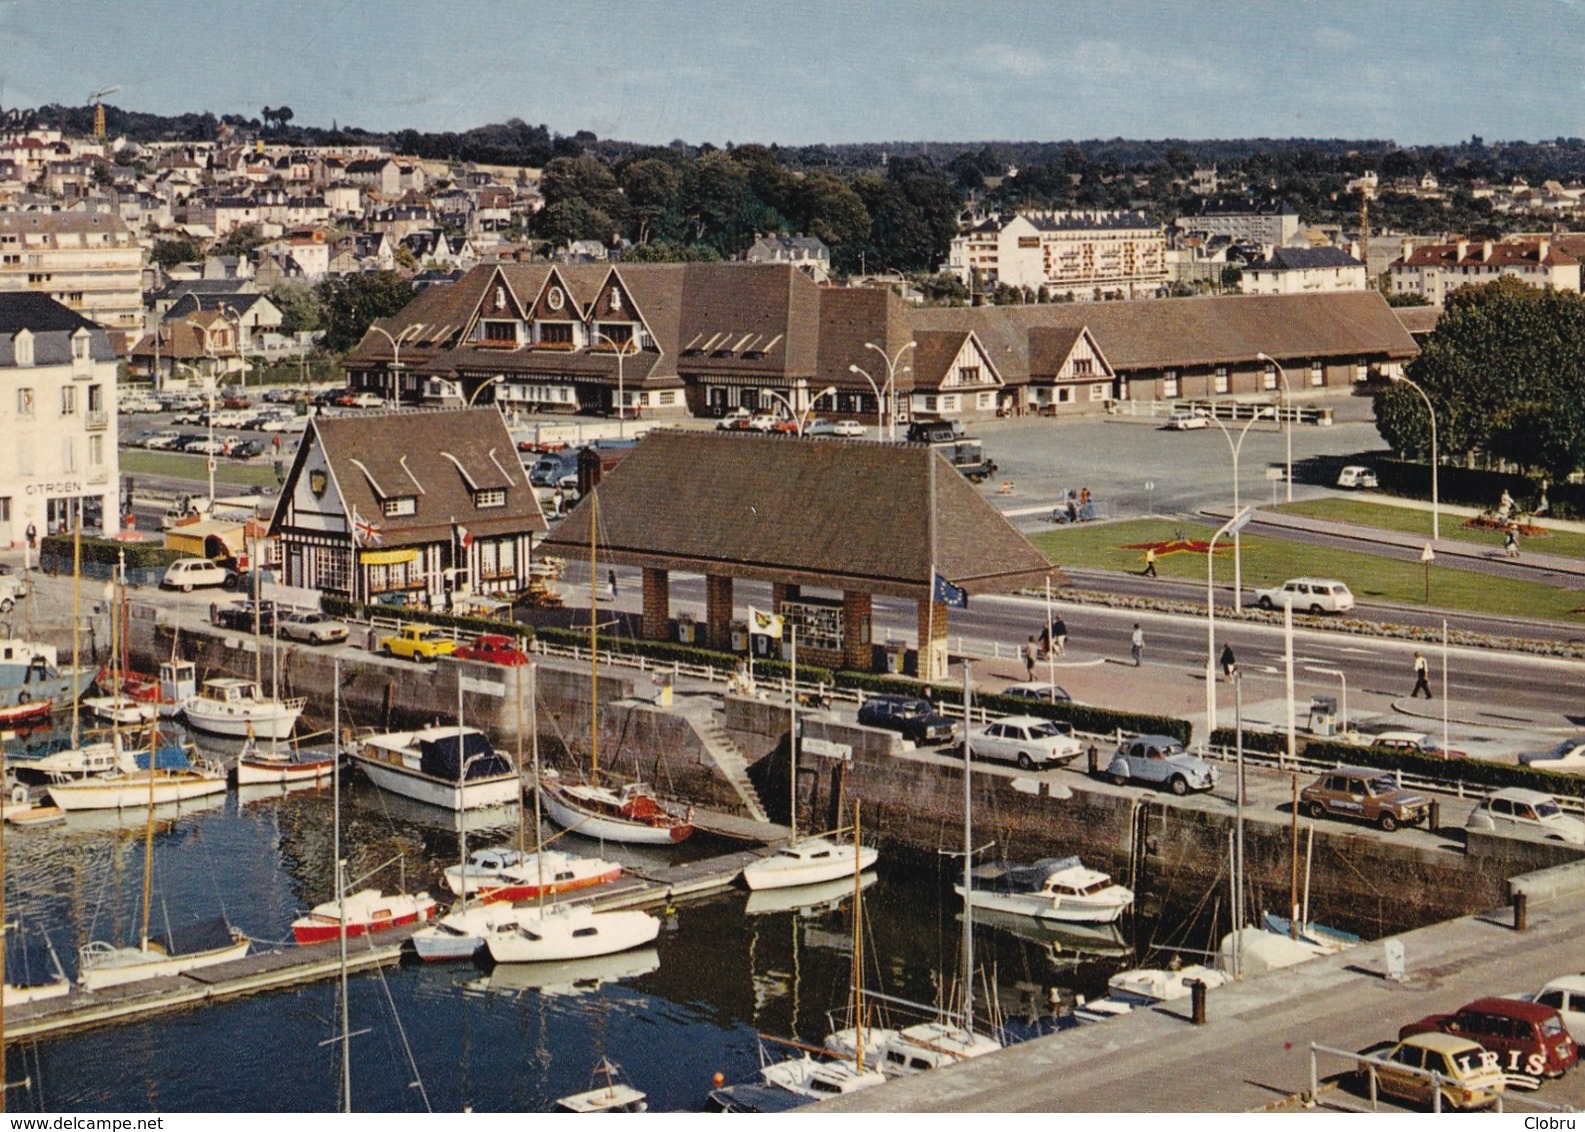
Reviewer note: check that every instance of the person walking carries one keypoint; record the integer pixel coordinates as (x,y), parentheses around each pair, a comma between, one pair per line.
(1029,658)
(1510,544)
(1229,662)
(1422,674)
(610,583)
(1150,562)
(1059,635)
(1138,644)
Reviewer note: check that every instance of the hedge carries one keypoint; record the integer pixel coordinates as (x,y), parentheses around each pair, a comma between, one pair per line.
(351,610)
(57,553)
(1478,487)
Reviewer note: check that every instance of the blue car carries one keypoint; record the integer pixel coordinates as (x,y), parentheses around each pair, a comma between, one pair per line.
(1160,760)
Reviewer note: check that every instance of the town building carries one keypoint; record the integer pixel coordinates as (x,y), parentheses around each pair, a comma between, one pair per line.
(1078,255)
(58,407)
(1437,270)
(808,254)
(1299,271)
(1268,224)
(89,262)
(417,508)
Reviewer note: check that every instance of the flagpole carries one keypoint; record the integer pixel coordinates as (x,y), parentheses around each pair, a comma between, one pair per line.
(930,613)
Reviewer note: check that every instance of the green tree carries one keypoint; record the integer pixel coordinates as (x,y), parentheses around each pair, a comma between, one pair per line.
(299,307)
(169,253)
(716,199)
(352,302)
(239,241)
(826,207)
(651,187)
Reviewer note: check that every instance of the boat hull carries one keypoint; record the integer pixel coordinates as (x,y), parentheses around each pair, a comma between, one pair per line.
(272,772)
(129,791)
(566,810)
(368,912)
(1046,907)
(273,721)
(133,965)
(473,794)
(783,872)
(20,996)
(562,934)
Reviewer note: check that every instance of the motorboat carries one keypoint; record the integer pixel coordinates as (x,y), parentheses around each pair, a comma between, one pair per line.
(813,860)
(820,1078)
(577,931)
(610,1096)
(122,710)
(230,705)
(190,948)
(1148,986)
(1053,888)
(270,766)
(455,768)
(178,775)
(69,761)
(30,672)
(176,684)
(461,933)
(629,813)
(367,911)
(503,874)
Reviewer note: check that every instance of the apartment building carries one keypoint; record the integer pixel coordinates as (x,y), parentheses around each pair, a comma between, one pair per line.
(1082,255)
(1437,270)
(89,262)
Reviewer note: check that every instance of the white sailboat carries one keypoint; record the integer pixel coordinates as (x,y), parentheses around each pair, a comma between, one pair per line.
(611,1096)
(813,860)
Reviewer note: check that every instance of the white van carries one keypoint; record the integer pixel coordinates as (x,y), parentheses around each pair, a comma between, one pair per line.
(1356,475)
(187,573)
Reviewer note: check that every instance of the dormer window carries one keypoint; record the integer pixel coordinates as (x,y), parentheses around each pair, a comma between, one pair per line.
(489,497)
(23,347)
(399,505)
(80,346)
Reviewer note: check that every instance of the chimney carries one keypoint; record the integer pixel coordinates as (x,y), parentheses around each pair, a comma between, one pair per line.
(1408,249)
(1485,251)
(1462,250)
(1543,249)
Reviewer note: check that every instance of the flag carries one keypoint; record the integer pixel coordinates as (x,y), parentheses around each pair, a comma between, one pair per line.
(464,537)
(764,624)
(949,595)
(365,533)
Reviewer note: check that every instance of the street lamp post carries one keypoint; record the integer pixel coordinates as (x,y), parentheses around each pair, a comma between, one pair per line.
(475,395)
(209,388)
(1238,557)
(396,356)
(888,403)
(233,316)
(1287,414)
(1233,526)
(622,351)
(1436,516)
(800,419)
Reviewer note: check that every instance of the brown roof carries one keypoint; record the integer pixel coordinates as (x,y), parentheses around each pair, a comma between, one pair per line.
(824,513)
(1152,334)
(1487,253)
(438,458)
(1418,320)
(933,355)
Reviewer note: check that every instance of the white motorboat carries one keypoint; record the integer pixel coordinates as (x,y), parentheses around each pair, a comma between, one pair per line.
(503,875)
(369,910)
(102,757)
(451,767)
(611,1096)
(545,934)
(229,705)
(1054,888)
(807,1076)
(122,710)
(813,860)
(100,965)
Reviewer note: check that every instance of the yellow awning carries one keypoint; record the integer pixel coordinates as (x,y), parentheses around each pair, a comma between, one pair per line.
(389,557)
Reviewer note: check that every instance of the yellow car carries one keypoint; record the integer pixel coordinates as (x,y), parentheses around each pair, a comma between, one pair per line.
(1470,1076)
(418,642)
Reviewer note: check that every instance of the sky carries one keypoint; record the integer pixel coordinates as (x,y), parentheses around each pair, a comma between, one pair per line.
(1412,71)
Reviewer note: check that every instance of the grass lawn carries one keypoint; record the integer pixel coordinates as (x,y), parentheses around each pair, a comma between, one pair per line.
(180,465)
(1270,561)
(1386,516)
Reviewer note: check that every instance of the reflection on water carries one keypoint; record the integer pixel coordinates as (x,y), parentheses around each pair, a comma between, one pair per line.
(512,1039)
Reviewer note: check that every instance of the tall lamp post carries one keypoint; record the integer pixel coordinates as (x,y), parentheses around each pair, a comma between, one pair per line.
(209,388)
(396,356)
(1238,557)
(1232,526)
(233,316)
(1287,413)
(1436,511)
(888,402)
(622,351)
(800,419)
(475,395)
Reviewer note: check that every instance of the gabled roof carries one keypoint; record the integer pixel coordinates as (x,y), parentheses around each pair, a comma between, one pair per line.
(831,514)
(1303,259)
(439,459)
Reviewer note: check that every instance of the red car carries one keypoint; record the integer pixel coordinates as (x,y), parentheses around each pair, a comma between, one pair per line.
(493,649)
(1526,1038)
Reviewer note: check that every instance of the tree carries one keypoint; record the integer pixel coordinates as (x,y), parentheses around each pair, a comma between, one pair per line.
(239,241)
(825,207)
(351,303)
(651,187)
(169,253)
(299,307)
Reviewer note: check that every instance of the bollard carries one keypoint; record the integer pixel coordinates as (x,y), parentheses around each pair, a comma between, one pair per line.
(1095,759)
(1197,989)
(1434,820)
(1521,911)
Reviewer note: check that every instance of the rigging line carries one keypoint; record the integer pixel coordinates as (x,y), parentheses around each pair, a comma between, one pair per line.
(401,1031)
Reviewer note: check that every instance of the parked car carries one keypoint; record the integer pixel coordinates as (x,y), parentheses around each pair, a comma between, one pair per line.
(1413,743)
(1023,739)
(850,429)
(822,427)
(161,441)
(367,401)
(418,642)
(239,616)
(1182,420)
(735,420)
(1529,1039)
(1356,475)
(763,422)
(1469,1077)
(1525,814)
(1366,794)
(493,648)
(203,446)
(1160,760)
(187,574)
(1037,690)
(12,590)
(245,449)
(1316,595)
(1567,756)
(912,717)
(312,627)
(1566,995)
(282,423)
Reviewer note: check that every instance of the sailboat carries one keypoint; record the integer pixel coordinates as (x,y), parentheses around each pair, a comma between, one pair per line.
(273,765)
(814,859)
(101,965)
(630,813)
(120,708)
(612,1096)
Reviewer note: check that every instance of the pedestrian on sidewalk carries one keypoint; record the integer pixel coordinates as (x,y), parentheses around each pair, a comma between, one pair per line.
(1138,643)
(1510,544)
(1029,658)
(1059,635)
(1150,562)
(1422,674)
(1229,663)
(610,583)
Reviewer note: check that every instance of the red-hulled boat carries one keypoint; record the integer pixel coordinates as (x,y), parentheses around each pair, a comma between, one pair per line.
(367,911)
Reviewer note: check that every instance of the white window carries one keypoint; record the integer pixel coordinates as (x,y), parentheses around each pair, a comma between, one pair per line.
(616,299)
(24,348)
(1169,383)
(401,505)
(80,342)
(1268,379)
(24,402)
(1220,380)
(930,404)
(1317,373)
(666,397)
(985,401)
(68,400)
(1098,392)
(96,450)
(490,497)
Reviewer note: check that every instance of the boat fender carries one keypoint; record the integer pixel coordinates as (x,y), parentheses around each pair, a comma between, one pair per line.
(23,696)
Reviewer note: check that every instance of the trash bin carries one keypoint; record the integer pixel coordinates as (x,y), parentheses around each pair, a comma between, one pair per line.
(896,655)
(687,629)
(740,636)
(1323,715)
(763,645)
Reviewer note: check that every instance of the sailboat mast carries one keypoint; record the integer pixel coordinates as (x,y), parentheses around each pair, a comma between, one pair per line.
(594,649)
(539,832)
(518,682)
(792,740)
(968,859)
(341,890)
(148,838)
(462,804)
(77,633)
(858,940)
(253,568)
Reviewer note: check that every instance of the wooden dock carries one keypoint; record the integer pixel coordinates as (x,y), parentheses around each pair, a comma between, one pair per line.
(291,967)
